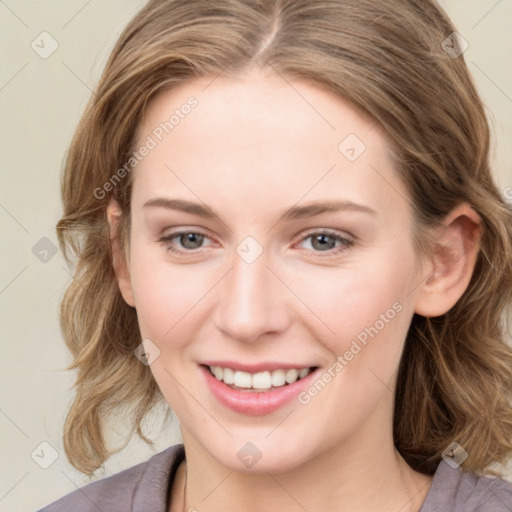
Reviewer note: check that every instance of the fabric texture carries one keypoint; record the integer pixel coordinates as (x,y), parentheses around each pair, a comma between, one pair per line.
(145,488)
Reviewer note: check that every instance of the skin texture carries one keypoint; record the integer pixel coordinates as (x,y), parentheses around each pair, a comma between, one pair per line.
(254,146)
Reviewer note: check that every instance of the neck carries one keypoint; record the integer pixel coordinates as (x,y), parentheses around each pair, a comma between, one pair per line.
(364,473)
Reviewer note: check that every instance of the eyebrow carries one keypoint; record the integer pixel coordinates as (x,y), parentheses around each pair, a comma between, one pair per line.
(295,212)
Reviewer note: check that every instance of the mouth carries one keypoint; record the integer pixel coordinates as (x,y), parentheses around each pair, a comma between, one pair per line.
(260,393)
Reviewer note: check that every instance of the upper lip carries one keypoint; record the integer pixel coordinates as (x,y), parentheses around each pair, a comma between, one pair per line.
(257,367)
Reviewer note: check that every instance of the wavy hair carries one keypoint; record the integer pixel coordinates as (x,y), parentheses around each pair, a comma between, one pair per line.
(387,58)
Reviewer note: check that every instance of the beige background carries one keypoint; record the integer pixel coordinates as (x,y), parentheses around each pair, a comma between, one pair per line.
(40,102)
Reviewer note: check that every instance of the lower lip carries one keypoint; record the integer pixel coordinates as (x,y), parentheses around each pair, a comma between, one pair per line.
(255,403)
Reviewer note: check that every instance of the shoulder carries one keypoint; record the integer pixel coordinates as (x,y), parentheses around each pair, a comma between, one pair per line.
(458,491)
(145,484)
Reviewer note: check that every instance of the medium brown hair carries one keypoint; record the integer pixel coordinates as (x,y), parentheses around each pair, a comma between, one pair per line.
(386,58)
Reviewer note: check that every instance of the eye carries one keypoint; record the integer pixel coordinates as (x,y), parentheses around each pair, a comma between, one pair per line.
(321,242)
(189,240)
(324,242)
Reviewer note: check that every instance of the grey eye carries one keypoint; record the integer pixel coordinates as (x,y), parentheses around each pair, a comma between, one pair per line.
(319,241)
(191,240)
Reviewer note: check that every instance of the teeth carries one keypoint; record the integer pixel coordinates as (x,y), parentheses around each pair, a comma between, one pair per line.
(241,379)
(262,380)
(291,376)
(228,375)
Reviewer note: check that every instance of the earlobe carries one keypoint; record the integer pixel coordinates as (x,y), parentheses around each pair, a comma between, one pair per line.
(453,262)
(119,263)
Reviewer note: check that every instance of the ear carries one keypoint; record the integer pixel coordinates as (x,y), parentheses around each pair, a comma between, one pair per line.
(453,262)
(119,263)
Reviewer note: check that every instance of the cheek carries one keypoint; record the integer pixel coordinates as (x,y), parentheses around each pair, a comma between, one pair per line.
(168,296)
(369,312)
(360,303)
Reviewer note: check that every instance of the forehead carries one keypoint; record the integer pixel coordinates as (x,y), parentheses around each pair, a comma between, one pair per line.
(263,132)
(260,102)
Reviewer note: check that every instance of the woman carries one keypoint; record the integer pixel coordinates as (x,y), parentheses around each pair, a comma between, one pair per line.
(286,227)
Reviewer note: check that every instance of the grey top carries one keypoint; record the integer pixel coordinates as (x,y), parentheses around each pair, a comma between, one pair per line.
(145,488)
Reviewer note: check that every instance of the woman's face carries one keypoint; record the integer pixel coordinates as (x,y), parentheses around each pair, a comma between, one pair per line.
(266,280)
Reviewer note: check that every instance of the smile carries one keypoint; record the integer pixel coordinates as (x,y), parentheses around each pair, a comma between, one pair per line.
(257,400)
(258,382)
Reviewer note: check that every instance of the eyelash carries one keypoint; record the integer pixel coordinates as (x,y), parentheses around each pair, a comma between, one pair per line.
(346,243)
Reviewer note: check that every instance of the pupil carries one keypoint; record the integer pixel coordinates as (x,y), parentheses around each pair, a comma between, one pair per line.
(189,238)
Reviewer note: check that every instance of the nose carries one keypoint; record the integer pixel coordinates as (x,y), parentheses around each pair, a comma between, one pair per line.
(253,301)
